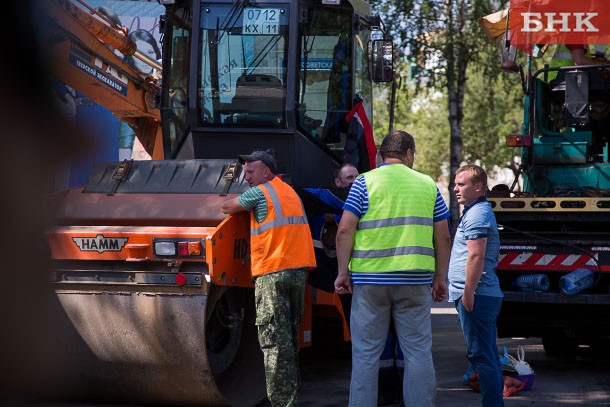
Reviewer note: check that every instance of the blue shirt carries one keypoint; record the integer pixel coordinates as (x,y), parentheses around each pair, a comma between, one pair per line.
(478,221)
(325,195)
(316,222)
(358,203)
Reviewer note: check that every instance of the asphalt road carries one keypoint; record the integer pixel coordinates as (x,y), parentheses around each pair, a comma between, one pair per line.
(325,370)
(584,381)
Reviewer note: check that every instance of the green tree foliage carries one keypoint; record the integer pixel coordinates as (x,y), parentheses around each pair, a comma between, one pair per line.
(444,39)
(424,115)
(493,109)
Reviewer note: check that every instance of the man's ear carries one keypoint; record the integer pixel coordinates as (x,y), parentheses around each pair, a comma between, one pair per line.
(478,186)
(267,173)
(337,182)
(409,158)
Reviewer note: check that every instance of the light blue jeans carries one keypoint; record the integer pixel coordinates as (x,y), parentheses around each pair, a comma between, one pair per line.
(372,308)
(479,328)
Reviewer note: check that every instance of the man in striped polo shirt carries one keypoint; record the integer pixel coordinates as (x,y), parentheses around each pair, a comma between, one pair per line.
(393,243)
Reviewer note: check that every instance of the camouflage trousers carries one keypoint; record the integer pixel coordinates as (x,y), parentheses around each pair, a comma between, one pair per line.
(279,306)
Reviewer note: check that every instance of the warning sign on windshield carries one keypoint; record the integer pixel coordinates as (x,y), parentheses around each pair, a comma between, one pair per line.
(261,21)
(559,22)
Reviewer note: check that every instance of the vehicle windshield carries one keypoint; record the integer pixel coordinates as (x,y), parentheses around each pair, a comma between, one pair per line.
(243,64)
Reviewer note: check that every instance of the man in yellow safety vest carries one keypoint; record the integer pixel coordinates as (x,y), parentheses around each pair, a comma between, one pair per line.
(577,54)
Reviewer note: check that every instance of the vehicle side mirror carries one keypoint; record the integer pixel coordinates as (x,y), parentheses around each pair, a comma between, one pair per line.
(381,60)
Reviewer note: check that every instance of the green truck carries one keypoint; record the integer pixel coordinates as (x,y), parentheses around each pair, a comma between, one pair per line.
(555,217)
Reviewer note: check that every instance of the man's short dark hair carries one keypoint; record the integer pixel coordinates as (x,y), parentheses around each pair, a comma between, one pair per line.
(267,157)
(396,144)
(337,173)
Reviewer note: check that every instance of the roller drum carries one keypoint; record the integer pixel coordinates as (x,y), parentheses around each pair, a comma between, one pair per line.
(167,348)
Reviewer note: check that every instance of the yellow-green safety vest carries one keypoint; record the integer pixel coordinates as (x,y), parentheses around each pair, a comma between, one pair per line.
(396,232)
(563,57)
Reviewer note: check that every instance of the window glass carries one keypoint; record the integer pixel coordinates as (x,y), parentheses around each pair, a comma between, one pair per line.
(243,65)
(175,81)
(327,89)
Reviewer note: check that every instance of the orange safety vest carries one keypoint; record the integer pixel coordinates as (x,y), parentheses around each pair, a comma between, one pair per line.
(282,240)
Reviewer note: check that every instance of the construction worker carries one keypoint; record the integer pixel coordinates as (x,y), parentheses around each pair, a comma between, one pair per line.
(577,54)
(281,253)
(391,246)
(321,204)
(324,207)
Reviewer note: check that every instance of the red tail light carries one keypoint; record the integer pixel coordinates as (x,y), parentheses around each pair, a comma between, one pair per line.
(177,248)
(183,249)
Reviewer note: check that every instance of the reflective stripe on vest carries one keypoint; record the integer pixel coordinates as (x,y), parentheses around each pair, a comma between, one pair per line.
(562,57)
(380,223)
(599,50)
(395,251)
(396,232)
(279,219)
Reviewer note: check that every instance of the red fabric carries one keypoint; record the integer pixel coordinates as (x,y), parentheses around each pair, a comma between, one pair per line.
(368,131)
(538,22)
(473,381)
(511,385)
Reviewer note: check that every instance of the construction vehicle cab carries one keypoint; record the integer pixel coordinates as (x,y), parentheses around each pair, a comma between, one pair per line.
(281,75)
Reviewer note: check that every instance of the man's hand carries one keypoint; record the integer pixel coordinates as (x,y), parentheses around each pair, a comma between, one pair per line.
(442,250)
(343,284)
(474,269)
(345,243)
(468,301)
(439,290)
(231,206)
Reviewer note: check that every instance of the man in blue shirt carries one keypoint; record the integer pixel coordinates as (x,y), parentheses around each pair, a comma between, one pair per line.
(324,207)
(473,284)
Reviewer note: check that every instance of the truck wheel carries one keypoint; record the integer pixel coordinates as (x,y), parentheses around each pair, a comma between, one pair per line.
(559,343)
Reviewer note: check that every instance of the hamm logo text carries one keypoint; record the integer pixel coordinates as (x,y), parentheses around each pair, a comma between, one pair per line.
(100,243)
